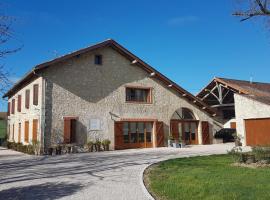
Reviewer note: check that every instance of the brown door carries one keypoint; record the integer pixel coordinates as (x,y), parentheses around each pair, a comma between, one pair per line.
(233,125)
(69,130)
(26,131)
(205,132)
(120,135)
(35,128)
(160,134)
(257,131)
(190,132)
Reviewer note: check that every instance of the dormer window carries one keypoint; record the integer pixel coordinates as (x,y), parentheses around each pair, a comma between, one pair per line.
(98,59)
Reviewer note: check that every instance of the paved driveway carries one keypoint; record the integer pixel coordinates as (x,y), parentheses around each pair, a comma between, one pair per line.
(105,175)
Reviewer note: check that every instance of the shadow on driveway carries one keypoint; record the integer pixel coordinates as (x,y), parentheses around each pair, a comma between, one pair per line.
(43,191)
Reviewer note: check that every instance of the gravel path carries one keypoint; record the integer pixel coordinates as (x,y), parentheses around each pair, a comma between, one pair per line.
(105,175)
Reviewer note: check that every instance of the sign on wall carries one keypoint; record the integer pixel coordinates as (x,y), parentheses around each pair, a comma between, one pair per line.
(95,125)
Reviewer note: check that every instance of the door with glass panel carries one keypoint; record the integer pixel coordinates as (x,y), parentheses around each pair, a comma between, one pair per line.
(190,132)
(137,134)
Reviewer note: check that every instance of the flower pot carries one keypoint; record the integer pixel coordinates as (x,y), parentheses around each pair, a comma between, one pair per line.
(176,145)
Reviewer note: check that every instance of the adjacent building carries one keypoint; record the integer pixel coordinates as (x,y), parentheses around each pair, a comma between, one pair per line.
(244,105)
(105,92)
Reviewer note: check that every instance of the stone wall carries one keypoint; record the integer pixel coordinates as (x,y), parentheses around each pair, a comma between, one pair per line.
(246,108)
(78,87)
(34,112)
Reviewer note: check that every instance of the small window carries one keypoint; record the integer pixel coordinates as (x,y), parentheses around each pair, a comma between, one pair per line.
(13,106)
(27,98)
(98,59)
(142,95)
(35,94)
(19,103)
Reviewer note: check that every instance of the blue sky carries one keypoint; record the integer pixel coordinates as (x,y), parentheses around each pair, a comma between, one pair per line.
(190,41)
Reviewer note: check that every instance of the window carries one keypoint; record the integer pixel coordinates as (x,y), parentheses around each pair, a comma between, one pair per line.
(27,99)
(35,94)
(137,132)
(19,103)
(35,129)
(19,133)
(98,59)
(142,95)
(13,106)
(26,131)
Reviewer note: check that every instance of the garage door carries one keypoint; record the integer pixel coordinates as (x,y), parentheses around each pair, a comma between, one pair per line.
(257,131)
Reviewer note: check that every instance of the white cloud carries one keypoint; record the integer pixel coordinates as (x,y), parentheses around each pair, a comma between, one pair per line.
(182,20)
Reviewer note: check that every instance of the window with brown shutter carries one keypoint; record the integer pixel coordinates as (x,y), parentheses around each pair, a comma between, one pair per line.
(13,106)
(8,108)
(26,131)
(19,103)
(35,128)
(27,98)
(35,94)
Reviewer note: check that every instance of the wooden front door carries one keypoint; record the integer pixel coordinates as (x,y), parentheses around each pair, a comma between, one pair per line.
(257,131)
(70,130)
(205,133)
(133,134)
(187,130)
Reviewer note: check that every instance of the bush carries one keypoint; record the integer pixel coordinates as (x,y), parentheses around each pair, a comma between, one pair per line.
(261,153)
(237,154)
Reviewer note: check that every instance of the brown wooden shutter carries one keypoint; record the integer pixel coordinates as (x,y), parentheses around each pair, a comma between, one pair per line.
(160,134)
(19,103)
(67,130)
(13,132)
(8,109)
(174,130)
(27,99)
(35,94)
(26,131)
(205,132)
(13,106)
(35,127)
(118,135)
(19,133)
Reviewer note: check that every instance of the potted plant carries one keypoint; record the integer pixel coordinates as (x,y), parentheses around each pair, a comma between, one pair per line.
(106,144)
(237,140)
(36,147)
(98,145)
(90,146)
(58,149)
(170,141)
(181,144)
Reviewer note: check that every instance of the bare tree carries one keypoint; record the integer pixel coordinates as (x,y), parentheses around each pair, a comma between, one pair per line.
(5,36)
(253,8)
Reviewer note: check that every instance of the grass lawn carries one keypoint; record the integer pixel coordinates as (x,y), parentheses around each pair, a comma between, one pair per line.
(207,177)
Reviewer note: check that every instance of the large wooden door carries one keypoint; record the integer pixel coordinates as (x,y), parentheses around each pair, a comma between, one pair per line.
(257,131)
(70,129)
(205,133)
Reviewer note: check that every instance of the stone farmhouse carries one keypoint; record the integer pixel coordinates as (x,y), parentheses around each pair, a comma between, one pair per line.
(105,92)
(244,105)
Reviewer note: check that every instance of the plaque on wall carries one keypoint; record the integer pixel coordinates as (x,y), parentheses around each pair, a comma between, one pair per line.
(95,125)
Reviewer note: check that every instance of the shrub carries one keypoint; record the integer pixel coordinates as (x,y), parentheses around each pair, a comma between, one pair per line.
(90,145)
(227,134)
(98,145)
(261,153)
(237,154)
